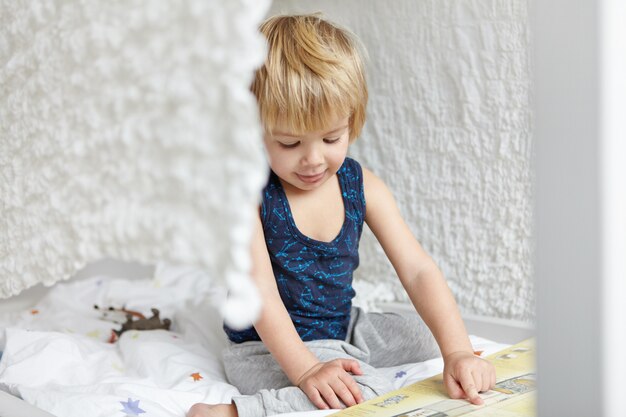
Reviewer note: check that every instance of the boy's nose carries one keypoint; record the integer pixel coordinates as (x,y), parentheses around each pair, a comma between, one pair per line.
(313,156)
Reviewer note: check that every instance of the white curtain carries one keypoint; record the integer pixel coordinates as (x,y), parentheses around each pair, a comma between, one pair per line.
(127,130)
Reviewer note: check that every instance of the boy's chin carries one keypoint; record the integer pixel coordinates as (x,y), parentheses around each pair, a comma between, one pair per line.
(305,186)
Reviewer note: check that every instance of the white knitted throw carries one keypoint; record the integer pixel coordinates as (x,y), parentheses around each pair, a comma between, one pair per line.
(127,130)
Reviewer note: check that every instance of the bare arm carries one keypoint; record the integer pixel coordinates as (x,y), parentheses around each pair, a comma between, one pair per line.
(274,325)
(427,289)
(324,383)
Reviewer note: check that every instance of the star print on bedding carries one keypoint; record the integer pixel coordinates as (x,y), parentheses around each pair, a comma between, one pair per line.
(54,361)
(400,374)
(131,408)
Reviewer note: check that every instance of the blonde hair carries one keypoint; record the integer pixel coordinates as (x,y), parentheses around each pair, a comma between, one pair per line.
(313,74)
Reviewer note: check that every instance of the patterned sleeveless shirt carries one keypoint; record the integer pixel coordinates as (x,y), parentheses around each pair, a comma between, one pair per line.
(314,278)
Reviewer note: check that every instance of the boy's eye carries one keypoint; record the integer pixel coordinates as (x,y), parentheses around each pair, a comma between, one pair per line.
(331,140)
(289,145)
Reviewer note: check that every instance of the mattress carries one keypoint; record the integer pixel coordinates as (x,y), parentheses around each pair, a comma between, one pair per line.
(62,356)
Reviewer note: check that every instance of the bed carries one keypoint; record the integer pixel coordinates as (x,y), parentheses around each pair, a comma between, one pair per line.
(57,354)
(129,132)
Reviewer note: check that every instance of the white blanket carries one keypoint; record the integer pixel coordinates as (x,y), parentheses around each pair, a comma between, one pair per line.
(56,355)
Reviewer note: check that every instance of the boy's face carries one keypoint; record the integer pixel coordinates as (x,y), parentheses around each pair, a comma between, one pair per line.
(306,161)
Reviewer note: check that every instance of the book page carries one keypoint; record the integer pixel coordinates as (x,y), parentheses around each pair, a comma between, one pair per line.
(513,395)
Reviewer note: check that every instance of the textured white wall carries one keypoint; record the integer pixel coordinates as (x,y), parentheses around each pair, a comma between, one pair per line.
(117,120)
(449,130)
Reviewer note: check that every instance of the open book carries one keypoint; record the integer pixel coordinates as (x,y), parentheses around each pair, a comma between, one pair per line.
(513,395)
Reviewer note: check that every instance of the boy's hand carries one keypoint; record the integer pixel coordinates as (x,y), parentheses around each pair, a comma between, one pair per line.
(327,384)
(465,375)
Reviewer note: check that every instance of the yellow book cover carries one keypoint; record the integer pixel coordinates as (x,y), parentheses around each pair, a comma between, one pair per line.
(513,395)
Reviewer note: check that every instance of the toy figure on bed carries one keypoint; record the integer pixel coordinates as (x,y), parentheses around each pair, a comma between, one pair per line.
(140,323)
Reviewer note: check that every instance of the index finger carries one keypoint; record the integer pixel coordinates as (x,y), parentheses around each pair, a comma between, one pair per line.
(467,383)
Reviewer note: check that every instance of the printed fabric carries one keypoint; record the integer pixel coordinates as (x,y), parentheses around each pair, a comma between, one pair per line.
(314,278)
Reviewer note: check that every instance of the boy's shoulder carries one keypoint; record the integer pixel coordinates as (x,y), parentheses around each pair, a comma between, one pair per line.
(350,164)
(351,171)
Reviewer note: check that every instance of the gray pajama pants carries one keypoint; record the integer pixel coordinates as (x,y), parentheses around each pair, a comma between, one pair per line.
(375,340)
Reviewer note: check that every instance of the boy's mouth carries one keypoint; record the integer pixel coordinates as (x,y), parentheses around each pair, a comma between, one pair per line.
(310,179)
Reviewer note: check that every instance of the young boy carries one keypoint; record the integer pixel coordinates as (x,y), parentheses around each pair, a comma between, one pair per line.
(310,349)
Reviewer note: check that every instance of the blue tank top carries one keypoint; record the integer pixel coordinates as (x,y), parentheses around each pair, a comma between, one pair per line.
(314,278)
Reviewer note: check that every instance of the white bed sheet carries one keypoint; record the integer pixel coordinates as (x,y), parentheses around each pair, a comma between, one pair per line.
(56,355)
